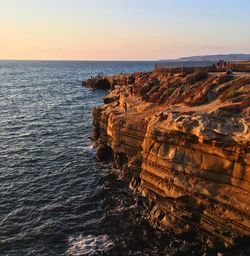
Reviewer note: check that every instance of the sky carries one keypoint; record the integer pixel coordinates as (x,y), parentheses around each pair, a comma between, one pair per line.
(122,29)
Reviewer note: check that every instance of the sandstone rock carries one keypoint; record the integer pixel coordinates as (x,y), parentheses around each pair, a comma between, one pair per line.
(110,99)
(187,152)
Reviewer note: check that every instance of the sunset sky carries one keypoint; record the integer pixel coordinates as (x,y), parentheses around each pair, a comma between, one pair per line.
(122,29)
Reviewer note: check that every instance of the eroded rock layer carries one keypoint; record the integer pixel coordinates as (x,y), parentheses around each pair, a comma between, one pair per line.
(183,142)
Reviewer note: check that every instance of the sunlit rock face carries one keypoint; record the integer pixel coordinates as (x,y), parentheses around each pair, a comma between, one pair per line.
(182,141)
(198,175)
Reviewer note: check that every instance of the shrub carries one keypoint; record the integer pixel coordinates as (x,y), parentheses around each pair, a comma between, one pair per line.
(170,91)
(232,93)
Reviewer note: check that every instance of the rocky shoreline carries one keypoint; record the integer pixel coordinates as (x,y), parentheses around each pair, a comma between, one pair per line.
(182,142)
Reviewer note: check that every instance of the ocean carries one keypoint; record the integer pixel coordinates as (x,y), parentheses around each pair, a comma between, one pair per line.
(55,197)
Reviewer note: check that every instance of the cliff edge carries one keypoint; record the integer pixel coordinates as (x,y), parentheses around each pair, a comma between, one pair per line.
(182,141)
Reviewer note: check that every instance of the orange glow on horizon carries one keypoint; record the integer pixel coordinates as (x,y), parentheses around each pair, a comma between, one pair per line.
(121,30)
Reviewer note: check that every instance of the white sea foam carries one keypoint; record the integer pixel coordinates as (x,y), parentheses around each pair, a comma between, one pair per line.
(89,245)
(90,148)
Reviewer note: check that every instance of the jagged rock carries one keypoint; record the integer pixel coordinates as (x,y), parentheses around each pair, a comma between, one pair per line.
(97,83)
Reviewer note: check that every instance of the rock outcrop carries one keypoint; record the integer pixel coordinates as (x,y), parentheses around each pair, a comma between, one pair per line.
(183,142)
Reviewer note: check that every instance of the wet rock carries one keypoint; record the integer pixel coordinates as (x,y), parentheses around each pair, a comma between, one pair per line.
(97,83)
(173,251)
(185,248)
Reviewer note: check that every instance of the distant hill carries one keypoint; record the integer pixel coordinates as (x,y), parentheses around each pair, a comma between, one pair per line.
(226,57)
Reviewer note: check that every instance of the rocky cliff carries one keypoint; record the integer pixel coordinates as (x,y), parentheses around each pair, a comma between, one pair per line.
(182,141)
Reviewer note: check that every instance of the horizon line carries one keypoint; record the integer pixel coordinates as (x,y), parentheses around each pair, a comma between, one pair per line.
(129,60)
(94,60)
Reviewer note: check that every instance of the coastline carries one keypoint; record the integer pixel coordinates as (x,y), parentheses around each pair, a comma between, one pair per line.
(183,144)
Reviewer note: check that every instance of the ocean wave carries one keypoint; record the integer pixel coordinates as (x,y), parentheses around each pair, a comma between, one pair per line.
(51,186)
(89,245)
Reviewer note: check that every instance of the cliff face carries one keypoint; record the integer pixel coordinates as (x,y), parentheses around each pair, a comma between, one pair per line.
(183,143)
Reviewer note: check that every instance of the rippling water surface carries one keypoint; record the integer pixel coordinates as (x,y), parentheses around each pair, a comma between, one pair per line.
(55,198)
